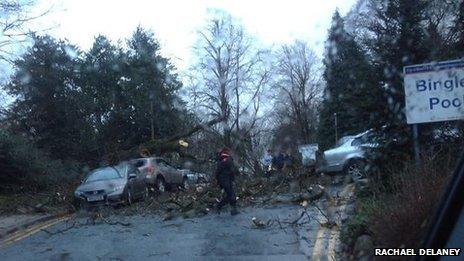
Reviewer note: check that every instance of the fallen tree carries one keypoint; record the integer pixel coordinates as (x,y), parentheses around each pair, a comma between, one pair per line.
(174,143)
(201,199)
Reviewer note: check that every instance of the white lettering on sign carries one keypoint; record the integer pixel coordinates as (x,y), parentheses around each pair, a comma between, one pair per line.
(434,91)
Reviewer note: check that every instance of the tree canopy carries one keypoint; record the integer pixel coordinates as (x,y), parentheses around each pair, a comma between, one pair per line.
(82,105)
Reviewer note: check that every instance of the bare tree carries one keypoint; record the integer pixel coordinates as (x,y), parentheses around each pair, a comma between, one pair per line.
(230,78)
(16,18)
(298,81)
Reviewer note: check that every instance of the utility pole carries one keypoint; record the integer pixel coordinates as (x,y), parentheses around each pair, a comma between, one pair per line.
(336,128)
(415,137)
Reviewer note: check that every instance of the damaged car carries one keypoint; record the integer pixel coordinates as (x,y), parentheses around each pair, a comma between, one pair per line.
(349,156)
(120,184)
(159,174)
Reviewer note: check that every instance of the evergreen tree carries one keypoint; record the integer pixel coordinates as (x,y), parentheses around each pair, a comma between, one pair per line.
(152,86)
(352,93)
(129,90)
(100,79)
(459,27)
(400,42)
(84,107)
(48,108)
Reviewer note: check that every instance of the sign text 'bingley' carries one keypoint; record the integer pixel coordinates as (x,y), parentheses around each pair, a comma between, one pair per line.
(434,91)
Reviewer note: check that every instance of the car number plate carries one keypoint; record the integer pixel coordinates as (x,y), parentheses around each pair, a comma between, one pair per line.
(95,198)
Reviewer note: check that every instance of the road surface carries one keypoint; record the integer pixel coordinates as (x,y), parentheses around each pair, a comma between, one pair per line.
(212,237)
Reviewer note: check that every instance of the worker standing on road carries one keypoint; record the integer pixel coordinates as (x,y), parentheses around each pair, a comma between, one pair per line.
(267,161)
(225,175)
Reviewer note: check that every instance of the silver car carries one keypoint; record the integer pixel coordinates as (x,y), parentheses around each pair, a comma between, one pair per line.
(111,185)
(159,174)
(349,157)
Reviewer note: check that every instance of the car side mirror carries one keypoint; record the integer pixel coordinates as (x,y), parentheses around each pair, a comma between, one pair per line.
(132,175)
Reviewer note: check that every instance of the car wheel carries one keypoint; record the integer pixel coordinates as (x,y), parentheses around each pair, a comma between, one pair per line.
(81,206)
(146,193)
(185,184)
(161,185)
(129,197)
(77,204)
(355,169)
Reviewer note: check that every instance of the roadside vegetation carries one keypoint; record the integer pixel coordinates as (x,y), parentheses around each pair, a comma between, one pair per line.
(28,169)
(396,206)
(32,181)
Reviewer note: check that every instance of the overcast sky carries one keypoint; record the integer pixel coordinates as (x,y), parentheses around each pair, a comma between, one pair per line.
(175,22)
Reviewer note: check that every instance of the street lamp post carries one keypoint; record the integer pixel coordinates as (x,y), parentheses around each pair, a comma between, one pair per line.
(336,128)
(152,123)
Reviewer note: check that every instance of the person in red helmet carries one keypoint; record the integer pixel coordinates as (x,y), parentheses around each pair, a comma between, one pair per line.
(225,175)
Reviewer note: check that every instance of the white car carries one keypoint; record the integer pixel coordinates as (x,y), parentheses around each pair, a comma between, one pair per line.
(349,157)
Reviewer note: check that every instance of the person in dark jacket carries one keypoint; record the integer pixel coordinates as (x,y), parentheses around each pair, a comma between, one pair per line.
(225,175)
(278,161)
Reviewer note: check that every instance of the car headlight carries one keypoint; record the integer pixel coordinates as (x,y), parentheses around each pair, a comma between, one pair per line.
(119,187)
(78,194)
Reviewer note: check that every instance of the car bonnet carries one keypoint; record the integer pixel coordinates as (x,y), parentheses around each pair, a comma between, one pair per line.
(107,185)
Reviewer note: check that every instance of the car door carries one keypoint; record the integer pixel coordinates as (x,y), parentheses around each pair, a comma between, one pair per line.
(336,157)
(164,170)
(173,173)
(176,174)
(137,182)
(141,184)
(130,182)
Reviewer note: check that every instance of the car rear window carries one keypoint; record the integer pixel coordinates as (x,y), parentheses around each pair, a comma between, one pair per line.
(140,163)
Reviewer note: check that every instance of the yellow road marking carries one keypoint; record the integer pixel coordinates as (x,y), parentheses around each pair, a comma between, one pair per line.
(347,192)
(334,234)
(32,230)
(317,250)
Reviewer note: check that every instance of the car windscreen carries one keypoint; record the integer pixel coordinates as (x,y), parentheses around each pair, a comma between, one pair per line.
(344,140)
(140,162)
(368,138)
(106,174)
(357,142)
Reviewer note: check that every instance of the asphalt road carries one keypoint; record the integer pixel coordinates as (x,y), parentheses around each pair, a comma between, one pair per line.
(212,237)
